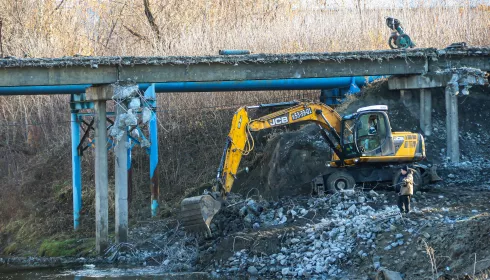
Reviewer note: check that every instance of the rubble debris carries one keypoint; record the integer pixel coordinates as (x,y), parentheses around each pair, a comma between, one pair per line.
(122,92)
(386,274)
(317,248)
(462,79)
(147,113)
(135,103)
(91,61)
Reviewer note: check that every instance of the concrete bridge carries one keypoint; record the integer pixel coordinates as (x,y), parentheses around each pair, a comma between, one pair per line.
(414,69)
(108,70)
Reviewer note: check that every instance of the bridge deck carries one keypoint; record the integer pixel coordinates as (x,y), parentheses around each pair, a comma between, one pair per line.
(104,70)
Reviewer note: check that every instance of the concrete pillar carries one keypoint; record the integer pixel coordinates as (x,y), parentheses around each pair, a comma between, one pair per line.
(99,95)
(121,188)
(426,111)
(406,98)
(404,95)
(101,178)
(452,139)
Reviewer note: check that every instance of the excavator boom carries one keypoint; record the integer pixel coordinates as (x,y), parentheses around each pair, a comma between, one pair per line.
(241,142)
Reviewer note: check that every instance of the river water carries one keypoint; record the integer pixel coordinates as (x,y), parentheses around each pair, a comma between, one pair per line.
(92,272)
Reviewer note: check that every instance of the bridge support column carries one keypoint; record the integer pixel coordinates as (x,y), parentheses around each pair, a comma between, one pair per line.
(407,98)
(99,95)
(121,174)
(76,169)
(130,172)
(101,179)
(452,126)
(426,111)
(151,98)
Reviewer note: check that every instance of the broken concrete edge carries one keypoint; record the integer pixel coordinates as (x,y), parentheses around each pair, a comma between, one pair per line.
(130,98)
(95,62)
(465,76)
(462,79)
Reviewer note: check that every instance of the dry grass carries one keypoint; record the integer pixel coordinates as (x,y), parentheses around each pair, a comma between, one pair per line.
(193,126)
(193,27)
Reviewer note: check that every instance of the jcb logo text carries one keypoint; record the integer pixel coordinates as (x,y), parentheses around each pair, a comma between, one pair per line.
(279,120)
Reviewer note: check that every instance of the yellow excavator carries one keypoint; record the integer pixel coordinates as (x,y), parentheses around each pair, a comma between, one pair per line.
(364,150)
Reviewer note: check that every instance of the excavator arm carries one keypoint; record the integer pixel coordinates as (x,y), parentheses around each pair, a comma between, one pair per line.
(240,141)
(198,211)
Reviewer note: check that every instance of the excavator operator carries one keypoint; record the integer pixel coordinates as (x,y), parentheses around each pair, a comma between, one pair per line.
(369,133)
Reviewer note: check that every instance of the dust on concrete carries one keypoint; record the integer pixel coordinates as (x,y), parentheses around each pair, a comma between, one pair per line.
(100,61)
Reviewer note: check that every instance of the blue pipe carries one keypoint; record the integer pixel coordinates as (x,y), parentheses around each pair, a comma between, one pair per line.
(258,85)
(247,85)
(76,170)
(150,96)
(233,52)
(129,170)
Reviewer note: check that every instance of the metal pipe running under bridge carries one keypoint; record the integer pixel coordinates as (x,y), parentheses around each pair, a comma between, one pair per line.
(246,85)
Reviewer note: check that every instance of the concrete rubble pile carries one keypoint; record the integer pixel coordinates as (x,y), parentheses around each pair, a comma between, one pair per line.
(318,248)
(157,244)
(129,97)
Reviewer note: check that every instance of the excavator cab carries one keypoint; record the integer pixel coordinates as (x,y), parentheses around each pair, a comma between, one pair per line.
(367,133)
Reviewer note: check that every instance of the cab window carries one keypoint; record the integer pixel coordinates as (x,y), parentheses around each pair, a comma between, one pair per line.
(371,131)
(349,145)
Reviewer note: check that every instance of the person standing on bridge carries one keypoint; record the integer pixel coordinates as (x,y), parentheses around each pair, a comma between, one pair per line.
(404,189)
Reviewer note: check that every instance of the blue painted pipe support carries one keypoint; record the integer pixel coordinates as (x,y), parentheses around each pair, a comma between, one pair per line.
(130,170)
(247,85)
(353,88)
(76,170)
(150,96)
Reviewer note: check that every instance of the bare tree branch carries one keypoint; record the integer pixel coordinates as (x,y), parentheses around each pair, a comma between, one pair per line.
(1,42)
(59,5)
(114,25)
(150,18)
(136,34)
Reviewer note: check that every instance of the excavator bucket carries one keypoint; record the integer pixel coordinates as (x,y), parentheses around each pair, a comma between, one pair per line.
(197,212)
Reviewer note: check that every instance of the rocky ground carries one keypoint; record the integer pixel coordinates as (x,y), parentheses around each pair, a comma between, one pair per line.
(352,235)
